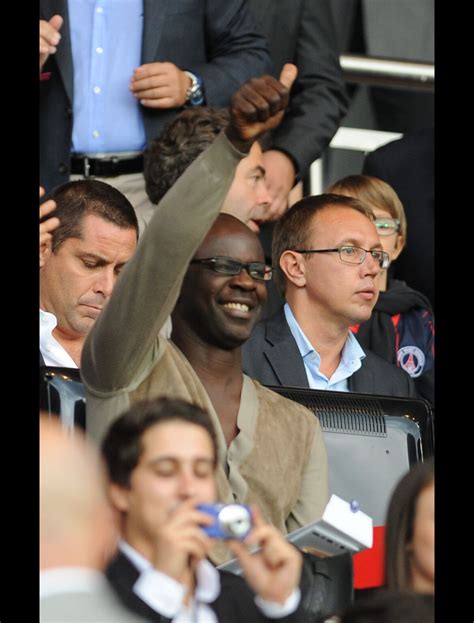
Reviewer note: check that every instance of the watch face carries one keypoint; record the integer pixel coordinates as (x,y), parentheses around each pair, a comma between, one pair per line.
(194,94)
(197,98)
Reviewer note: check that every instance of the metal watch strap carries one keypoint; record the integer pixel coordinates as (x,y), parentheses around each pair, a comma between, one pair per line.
(194,92)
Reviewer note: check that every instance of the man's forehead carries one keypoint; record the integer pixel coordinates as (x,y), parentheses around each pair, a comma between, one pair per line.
(102,240)
(237,245)
(97,234)
(342,222)
(253,160)
(165,441)
(93,225)
(229,236)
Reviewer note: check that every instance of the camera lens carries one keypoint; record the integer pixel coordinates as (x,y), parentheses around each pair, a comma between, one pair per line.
(235,521)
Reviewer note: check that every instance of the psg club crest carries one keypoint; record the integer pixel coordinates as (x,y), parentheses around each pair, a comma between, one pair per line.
(412,360)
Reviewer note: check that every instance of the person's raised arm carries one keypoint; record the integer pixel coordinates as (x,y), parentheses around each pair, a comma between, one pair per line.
(124,340)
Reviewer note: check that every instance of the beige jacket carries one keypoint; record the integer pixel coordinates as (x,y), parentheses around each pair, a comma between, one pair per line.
(278,459)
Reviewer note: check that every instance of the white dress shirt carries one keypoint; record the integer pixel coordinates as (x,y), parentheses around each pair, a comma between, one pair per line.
(168,601)
(53,353)
(60,580)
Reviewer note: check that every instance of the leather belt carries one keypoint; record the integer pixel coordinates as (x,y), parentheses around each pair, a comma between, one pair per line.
(106,167)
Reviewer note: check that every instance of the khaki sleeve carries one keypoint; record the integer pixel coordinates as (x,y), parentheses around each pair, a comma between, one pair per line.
(314,493)
(124,341)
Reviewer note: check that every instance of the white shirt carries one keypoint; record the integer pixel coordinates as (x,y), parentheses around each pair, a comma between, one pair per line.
(69,579)
(53,353)
(168,601)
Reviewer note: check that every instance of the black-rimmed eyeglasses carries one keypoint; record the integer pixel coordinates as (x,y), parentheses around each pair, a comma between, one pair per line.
(354,255)
(229,266)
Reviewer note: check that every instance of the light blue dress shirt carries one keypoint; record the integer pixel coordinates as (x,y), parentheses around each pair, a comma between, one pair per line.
(351,357)
(106,39)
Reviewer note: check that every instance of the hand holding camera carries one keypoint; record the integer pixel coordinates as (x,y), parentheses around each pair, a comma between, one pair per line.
(230,521)
(274,571)
(187,536)
(180,541)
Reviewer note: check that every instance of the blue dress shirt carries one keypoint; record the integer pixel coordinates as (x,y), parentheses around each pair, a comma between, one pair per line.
(351,357)
(106,40)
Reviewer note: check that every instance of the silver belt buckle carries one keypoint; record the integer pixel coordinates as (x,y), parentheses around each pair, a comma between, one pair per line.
(87,167)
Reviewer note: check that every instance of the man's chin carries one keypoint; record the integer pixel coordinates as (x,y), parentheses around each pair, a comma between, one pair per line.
(232,339)
(84,325)
(361,314)
(254,226)
(363,317)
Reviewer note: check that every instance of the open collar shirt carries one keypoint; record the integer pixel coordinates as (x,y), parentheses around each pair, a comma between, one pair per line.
(53,353)
(351,358)
(168,601)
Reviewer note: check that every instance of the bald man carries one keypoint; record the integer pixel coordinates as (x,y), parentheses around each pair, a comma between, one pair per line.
(77,531)
(271,450)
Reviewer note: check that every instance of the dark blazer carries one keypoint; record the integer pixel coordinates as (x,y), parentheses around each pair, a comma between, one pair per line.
(408,166)
(226,54)
(302,32)
(271,356)
(235,603)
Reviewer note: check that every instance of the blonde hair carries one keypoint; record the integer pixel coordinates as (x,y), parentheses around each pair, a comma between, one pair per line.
(375,193)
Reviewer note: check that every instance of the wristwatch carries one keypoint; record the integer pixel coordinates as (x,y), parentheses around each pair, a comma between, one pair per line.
(195,93)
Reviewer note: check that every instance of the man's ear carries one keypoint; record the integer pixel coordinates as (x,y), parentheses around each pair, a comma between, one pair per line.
(398,247)
(119,496)
(46,249)
(294,267)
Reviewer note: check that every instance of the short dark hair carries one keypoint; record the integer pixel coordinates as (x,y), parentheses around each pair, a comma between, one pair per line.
(400,522)
(122,446)
(74,200)
(180,143)
(293,230)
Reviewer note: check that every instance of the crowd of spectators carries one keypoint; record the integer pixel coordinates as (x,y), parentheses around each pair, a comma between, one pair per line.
(171,136)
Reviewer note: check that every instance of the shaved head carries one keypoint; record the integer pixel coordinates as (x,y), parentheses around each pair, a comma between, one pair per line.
(226,226)
(74,510)
(221,309)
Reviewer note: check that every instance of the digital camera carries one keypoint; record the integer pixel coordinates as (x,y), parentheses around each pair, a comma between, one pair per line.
(231,521)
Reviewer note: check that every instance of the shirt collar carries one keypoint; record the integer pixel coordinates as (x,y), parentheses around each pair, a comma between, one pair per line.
(54,354)
(208,583)
(351,355)
(304,345)
(48,321)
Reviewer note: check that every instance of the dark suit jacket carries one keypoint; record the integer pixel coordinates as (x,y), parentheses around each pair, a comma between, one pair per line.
(408,166)
(235,603)
(271,356)
(302,32)
(226,54)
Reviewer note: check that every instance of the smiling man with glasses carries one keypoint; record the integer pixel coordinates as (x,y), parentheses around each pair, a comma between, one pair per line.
(210,268)
(328,260)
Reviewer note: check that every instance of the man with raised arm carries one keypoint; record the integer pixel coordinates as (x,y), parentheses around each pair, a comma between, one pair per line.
(271,450)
